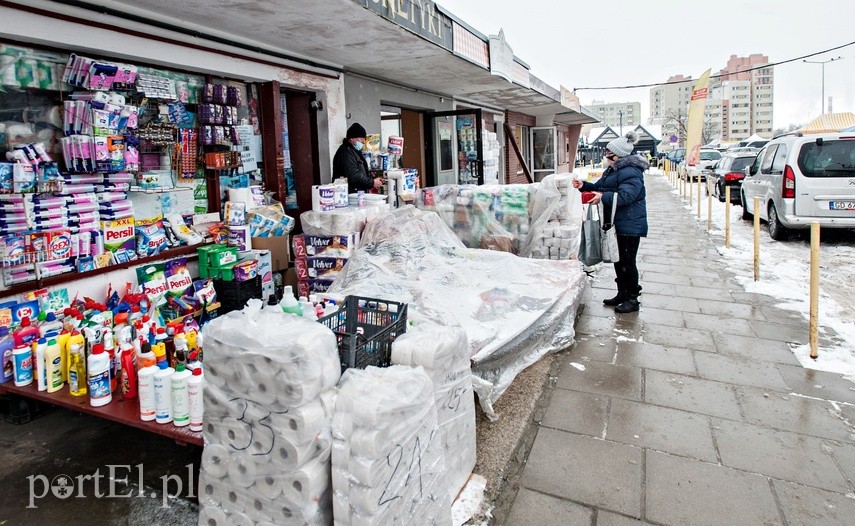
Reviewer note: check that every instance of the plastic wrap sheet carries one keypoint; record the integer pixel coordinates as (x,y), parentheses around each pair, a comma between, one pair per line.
(494,217)
(443,352)
(387,462)
(556,219)
(514,310)
(539,220)
(269,394)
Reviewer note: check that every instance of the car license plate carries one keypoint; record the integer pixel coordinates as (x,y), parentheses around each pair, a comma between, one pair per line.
(841,205)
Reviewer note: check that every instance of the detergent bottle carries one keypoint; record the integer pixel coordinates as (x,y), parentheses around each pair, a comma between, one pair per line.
(289,303)
(7,346)
(99,376)
(26,334)
(180,398)
(53,366)
(62,340)
(129,371)
(39,366)
(51,326)
(194,394)
(76,370)
(23,358)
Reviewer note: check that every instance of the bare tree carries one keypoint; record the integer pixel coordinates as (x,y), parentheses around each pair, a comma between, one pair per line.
(709,131)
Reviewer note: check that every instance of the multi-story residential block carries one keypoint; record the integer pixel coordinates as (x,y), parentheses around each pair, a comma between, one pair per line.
(616,113)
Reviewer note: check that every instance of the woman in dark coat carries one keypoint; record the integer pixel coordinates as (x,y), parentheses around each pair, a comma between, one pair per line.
(624,179)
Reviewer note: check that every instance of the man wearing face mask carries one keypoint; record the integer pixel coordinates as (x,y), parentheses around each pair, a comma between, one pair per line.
(350,163)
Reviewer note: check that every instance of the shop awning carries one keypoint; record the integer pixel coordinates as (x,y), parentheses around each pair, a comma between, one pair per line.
(830,123)
(410,47)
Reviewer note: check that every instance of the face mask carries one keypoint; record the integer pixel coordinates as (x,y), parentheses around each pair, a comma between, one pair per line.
(359,146)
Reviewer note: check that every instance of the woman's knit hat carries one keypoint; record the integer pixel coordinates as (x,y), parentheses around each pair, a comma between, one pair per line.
(623,146)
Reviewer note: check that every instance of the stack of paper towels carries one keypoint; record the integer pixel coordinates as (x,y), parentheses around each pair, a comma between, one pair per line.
(443,352)
(269,396)
(387,460)
(559,237)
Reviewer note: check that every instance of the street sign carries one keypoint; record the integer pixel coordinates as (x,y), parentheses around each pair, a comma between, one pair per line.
(672,139)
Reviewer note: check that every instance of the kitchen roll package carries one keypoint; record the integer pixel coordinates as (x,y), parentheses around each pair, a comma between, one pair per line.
(267,442)
(393,477)
(443,352)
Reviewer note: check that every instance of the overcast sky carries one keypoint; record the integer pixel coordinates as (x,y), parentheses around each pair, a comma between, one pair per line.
(624,42)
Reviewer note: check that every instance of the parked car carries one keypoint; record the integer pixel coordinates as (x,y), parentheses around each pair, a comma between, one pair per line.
(800,179)
(707,159)
(729,171)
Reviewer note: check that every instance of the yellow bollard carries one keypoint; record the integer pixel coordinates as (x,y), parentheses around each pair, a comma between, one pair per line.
(690,179)
(756,239)
(814,290)
(727,217)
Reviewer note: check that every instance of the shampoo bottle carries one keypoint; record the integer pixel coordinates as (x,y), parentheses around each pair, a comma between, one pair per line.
(180,397)
(98,368)
(53,366)
(76,370)
(194,394)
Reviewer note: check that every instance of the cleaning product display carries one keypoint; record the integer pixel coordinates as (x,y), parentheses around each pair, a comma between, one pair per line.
(268,400)
(385,437)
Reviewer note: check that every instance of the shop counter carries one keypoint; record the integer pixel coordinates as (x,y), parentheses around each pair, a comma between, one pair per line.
(120,410)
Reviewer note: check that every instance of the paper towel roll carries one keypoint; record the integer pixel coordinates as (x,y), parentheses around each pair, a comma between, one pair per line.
(214,376)
(239,237)
(243,472)
(268,487)
(242,195)
(215,460)
(370,443)
(211,516)
(308,483)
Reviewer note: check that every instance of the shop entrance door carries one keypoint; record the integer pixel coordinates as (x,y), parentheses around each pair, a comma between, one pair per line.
(454,150)
(543,159)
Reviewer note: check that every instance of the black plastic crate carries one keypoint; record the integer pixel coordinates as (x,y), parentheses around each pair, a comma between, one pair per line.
(20,410)
(233,295)
(365,329)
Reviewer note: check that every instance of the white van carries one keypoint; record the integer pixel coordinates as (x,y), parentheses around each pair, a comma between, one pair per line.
(800,179)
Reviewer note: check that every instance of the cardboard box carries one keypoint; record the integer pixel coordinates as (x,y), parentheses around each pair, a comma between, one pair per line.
(279,250)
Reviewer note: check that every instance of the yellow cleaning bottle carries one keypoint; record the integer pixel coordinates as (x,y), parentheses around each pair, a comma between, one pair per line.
(53,366)
(74,338)
(62,340)
(76,371)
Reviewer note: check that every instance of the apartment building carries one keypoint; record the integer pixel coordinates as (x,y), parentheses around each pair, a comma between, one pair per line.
(616,114)
(740,103)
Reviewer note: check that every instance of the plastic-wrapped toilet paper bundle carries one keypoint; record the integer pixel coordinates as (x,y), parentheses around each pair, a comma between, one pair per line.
(396,476)
(443,352)
(267,435)
(556,226)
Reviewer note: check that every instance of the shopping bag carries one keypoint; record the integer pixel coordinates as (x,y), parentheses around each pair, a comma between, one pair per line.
(609,248)
(589,245)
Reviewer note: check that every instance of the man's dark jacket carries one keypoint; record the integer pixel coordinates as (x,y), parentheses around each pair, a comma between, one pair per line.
(349,163)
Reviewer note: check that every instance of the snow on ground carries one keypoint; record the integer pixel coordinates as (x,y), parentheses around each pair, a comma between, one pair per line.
(785,275)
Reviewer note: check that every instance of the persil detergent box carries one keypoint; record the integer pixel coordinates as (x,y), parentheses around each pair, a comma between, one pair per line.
(119,234)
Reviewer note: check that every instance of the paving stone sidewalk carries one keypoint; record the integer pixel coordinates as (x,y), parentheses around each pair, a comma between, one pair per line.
(691,411)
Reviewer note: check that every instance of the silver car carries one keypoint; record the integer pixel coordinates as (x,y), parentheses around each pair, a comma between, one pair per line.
(801,179)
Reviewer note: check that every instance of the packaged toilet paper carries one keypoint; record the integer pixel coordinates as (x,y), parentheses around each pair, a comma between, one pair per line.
(269,399)
(443,352)
(388,465)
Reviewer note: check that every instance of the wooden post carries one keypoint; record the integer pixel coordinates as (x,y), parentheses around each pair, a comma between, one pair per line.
(690,179)
(699,196)
(709,211)
(727,217)
(814,290)
(756,239)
